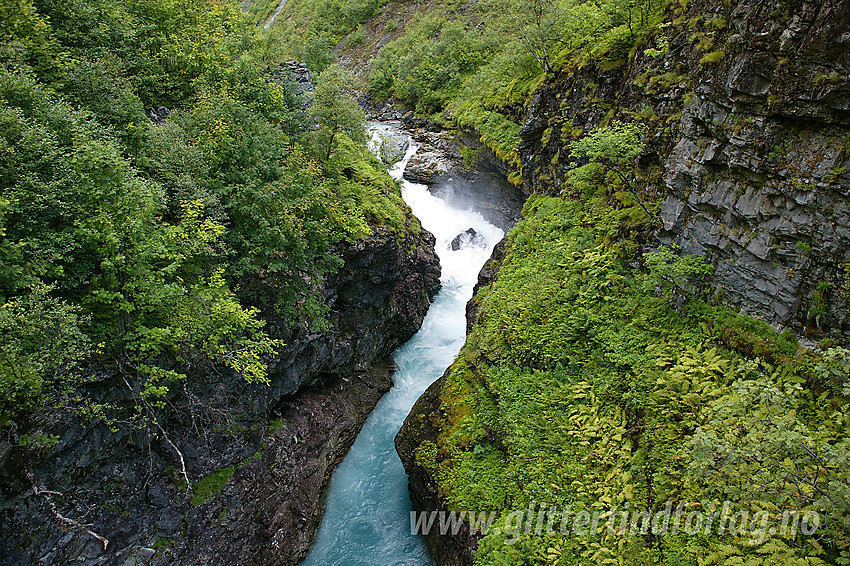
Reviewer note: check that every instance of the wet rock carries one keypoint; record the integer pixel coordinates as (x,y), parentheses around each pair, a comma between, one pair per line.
(383,112)
(169,521)
(469,238)
(438,156)
(381,296)
(161,495)
(439,164)
(427,167)
(486,276)
(157,115)
(274,504)
(393,147)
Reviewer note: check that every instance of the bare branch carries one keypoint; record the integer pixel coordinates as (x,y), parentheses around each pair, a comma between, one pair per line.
(161,430)
(529,44)
(47,495)
(37,490)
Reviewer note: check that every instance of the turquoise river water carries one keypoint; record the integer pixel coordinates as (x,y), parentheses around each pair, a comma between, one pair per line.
(367,516)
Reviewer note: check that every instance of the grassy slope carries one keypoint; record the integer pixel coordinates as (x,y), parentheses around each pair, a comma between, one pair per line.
(580,387)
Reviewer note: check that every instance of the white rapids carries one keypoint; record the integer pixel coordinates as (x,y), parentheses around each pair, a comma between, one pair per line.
(367,515)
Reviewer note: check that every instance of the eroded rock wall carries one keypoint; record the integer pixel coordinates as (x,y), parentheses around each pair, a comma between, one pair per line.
(747,153)
(259,457)
(758,179)
(748,149)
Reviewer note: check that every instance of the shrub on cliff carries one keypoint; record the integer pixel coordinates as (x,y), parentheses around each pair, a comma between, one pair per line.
(336,110)
(141,256)
(582,390)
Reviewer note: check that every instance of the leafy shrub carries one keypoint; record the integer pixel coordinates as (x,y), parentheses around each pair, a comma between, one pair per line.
(674,272)
(41,340)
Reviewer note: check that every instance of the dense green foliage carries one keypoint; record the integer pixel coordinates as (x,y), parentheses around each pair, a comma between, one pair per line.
(582,385)
(469,62)
(154,249)
(335,109)
(579,386)
(310,29)
(157,252)
(211,484)
(477,61)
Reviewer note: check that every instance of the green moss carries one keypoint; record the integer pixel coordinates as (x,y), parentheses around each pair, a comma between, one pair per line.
(547,135)
(479,477)
(426,456)
(356,37)
(497,132)
(211,484)
(712,58)
(162,542)
(717,23)
(255,457)
(831,77)
(470,156)
(837,172)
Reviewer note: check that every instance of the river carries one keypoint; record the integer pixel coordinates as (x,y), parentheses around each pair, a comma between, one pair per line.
(367,515)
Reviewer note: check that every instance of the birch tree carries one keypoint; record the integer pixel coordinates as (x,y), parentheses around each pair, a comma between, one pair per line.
(539,25)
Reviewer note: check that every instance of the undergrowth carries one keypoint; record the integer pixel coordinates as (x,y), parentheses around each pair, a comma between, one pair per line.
(581,387)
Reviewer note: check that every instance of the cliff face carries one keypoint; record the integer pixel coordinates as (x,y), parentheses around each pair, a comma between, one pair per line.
(378,301)
(258,457)
(747,109)
(758,179)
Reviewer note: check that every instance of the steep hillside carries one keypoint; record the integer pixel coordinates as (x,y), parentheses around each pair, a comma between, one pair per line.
(607,374)
(202,277)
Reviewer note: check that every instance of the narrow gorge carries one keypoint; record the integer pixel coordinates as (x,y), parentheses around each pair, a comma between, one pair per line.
(367,512)
(465,283)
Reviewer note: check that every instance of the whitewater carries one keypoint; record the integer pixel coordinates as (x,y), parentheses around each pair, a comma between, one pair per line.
(366,521)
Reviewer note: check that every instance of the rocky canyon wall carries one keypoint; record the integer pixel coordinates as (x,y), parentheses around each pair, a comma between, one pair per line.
(748,113)
(258,456)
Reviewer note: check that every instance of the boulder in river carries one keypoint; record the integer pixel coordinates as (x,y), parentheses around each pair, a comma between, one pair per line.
(393,147)
(468,239)
(428,167)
